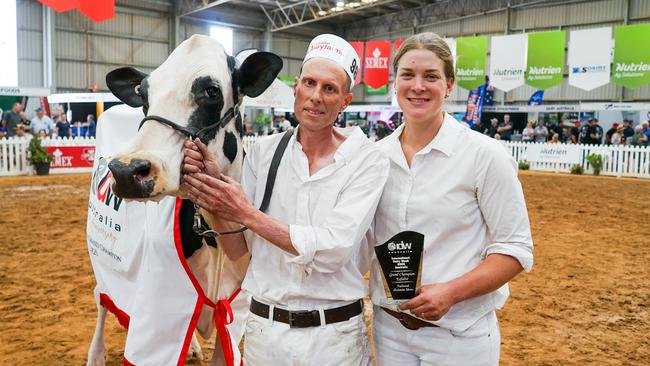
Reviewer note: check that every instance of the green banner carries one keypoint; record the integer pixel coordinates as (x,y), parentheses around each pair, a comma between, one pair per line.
(631,67)
(287,80)
(471,53)
(382,90)
(545,59)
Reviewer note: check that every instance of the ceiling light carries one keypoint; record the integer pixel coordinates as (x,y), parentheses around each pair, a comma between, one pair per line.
(340,4)
(322,13)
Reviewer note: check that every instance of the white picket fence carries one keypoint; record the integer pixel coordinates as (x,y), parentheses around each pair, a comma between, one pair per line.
(620,161)
(13,154)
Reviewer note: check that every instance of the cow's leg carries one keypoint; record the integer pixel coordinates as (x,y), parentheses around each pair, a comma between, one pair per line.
(195,349)
(96,350)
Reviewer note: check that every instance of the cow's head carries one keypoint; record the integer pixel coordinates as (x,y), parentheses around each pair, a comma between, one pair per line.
(195,92)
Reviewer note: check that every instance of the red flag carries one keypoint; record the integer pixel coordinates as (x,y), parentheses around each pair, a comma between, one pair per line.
(60,5)
(97,10)
(358,46)
(376,63)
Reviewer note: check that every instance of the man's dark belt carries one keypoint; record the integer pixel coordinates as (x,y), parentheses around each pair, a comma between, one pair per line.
(409,321)
(308,318)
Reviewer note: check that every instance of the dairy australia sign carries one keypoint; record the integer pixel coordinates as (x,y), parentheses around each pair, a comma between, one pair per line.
(545,153)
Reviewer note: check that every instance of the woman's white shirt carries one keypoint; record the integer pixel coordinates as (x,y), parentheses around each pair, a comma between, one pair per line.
(462,192)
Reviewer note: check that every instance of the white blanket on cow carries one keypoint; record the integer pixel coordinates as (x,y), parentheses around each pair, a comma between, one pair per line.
(142,275)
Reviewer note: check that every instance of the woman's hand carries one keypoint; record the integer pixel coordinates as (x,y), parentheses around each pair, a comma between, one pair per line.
(432,301)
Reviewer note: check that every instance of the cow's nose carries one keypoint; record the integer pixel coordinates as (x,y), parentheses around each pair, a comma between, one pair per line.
(132,179)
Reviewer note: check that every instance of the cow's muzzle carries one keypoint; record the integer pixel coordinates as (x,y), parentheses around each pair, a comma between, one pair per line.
(133,178)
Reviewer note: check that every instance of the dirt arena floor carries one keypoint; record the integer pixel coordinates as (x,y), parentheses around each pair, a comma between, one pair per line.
(586,302)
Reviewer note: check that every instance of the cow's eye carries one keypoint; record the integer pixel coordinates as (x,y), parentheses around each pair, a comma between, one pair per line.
(212,91)
(136,89)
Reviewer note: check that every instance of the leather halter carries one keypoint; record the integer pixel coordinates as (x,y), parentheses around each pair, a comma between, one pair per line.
(191,134)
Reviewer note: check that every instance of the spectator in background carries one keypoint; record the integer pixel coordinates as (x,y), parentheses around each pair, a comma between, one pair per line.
(628,131)
(43,135)
(574,132)
(92,125)
(646,129)
(555,129)
(24,120)
(639,138)
(528,134)
(555,139)
(382,130)
(63,126)
(21,132)
(491,129)
(3,128)
(505,128)
(293,120)
(610,132)
(541,132)
(12,119)
(595,132)
(583,136)
(42,122)
(617,136)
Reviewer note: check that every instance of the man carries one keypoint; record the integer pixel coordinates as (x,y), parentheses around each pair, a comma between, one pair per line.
(42,122)
(610,132)
(505,128)
(628,131)
(646,128)
(540,132)
(595,132)
(63,128)
(583,137)
(307,263)
(12,119)
(491,130)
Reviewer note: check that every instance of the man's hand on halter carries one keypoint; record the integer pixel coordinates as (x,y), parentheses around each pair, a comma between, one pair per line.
(198,159)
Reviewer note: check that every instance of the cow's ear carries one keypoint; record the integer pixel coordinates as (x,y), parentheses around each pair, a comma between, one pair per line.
(125,84)
(258,72)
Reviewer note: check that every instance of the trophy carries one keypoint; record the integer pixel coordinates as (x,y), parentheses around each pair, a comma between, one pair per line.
(400,259)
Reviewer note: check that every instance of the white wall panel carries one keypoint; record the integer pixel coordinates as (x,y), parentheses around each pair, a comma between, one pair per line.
(149,53)
(149,27)
(30,73)
(108,49)
(120,24)
(639,8)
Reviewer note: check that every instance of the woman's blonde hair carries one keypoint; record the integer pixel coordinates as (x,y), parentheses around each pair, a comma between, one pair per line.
(432,42)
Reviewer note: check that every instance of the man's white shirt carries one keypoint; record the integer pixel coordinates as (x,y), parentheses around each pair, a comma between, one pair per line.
(328,214)
(463,194)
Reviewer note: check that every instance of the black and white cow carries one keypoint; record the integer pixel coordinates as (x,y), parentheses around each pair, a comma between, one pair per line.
(194,93)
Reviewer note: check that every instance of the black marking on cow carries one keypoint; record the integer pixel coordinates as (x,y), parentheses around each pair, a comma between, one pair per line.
(190,240)
(209,105)
(239,126)
(230,146)
(232,63)
(144,93)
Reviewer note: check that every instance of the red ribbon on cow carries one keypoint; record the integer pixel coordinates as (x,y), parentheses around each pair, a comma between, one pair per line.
(376,63)
(223,316)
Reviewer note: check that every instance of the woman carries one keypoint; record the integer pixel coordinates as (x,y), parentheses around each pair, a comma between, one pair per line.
(528,134)
(459,189)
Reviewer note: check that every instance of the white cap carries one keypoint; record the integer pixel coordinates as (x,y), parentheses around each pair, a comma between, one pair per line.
(336,49)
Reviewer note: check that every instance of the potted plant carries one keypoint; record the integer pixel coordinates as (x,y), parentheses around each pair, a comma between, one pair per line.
(524,165)
(596,162)
(576,169)
(38,156)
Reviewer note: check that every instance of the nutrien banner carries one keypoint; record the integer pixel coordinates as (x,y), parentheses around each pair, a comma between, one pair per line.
(545,59)
(358,46)
(508,61)
(470,61)
(631,66)
(376,64)
(590,54)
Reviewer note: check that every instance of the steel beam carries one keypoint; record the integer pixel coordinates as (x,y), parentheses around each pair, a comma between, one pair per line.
(193,8)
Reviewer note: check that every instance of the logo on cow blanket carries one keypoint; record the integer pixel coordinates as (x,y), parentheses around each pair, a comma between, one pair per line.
(101,185)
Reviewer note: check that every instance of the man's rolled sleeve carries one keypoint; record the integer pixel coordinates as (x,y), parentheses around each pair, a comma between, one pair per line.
(327,247)
(303,239)
(522,252)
